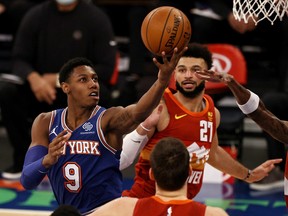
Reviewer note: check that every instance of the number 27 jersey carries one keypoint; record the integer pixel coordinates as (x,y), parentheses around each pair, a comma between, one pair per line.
(195,129)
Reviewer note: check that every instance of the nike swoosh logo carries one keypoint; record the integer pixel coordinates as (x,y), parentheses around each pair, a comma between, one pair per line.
(136,141)
(179,117)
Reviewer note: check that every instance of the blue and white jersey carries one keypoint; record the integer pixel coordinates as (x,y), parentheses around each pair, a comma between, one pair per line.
(87,175)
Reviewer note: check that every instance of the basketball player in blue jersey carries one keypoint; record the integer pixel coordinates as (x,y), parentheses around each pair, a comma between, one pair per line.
(79,147)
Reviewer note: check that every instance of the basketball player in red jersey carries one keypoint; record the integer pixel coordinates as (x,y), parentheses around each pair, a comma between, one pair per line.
(170,168)
(189,115)
(251,105)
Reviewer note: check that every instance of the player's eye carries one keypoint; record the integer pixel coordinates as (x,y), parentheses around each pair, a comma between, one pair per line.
(182,70)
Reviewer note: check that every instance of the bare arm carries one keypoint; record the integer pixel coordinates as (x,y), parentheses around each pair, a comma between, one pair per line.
(221,160)
(41,155)
(117,121)
(135,141)
(40,136)
(151,98)
(275,127)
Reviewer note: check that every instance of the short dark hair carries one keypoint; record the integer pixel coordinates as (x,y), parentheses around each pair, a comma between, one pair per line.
(65,210)
(170,163)
(69,66)
(198,50)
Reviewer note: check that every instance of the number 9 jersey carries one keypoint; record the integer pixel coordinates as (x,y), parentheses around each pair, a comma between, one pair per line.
(87,174)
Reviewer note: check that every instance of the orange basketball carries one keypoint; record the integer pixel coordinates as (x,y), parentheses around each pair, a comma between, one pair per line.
(165,28)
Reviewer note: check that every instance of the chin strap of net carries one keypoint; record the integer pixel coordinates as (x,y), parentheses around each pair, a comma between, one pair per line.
(258,10)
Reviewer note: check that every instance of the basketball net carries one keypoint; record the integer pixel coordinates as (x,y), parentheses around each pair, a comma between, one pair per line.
(258,10)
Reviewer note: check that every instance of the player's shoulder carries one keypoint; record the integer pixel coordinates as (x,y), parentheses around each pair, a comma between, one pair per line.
(114,110)
(119,206)
(112,113)
(41,122)
(127,200)
(126,204)
(44,116)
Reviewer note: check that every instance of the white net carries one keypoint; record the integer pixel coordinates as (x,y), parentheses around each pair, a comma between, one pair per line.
(258,10)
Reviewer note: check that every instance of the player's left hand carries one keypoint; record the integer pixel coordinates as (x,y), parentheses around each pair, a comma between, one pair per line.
(263,170)
(55,149)
(152,121)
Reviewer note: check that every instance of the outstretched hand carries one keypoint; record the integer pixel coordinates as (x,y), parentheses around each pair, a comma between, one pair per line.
(213,76)
(263,170)
(166,69)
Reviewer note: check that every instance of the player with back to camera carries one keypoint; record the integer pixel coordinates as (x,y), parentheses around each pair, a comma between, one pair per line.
(189,115)
(78,147)
(170,169)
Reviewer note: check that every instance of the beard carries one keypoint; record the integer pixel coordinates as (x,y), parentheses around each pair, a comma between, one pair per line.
(191,94)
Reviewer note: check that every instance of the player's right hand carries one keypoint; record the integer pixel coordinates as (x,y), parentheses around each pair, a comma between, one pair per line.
(56,149)
(166,69)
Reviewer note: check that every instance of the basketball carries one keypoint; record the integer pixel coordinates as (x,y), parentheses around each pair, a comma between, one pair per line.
(165,28)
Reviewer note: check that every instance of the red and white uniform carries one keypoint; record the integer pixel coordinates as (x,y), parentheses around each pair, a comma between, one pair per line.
(155,206)
(195,129)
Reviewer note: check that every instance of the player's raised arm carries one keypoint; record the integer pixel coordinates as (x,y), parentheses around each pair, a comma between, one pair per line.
(250,104)
(124,120)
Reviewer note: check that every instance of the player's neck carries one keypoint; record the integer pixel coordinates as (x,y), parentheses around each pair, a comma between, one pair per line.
(192,104)
(164,195)
(76,117)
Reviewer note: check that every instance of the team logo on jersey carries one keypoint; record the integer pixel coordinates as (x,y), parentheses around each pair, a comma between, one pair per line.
(53,131)
(210,116)
(179,116)
(169,211)
(199,155)
(87,127)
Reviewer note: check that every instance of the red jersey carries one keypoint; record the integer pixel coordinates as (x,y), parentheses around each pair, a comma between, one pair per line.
(195,129)
(157,207)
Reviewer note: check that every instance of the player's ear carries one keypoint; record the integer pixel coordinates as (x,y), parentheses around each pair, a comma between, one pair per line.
(65,87)
(151,175)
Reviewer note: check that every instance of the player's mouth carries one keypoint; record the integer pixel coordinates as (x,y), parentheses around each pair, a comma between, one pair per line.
(95,95)
(189,84)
